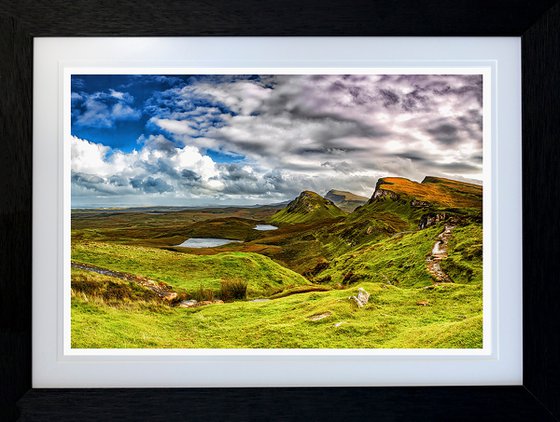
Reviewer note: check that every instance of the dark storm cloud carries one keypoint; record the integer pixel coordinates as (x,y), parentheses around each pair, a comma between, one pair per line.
(93,183)
(88,181)
(343,129)
(190,175)
(118,181)
(416,156)
(415,100)
(235,172)
(445,133)
(151,185)
(390,97)
(161,166)
(456,131)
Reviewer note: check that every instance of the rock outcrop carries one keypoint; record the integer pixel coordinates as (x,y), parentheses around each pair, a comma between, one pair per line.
(431,219)
(361,299)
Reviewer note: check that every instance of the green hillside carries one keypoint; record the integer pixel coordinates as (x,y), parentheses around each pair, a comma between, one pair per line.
(401,259)
(190,272)
(307,207)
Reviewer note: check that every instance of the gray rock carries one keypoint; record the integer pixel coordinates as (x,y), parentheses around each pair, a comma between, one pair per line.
(318,317)
(361,299)
(188,303)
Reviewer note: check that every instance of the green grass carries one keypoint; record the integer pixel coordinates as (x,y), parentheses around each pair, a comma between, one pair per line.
(190,272)
(307,207)
(323,213)
(306,268)
(399,260)
(392,319)
(464,263)
(109,290)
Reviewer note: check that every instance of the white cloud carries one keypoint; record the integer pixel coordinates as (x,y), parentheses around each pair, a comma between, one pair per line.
(102,109)
(242,96)
(177,127)
(122,111)
(89,157)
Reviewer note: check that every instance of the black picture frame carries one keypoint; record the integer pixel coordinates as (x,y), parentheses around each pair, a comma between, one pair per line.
(538,25)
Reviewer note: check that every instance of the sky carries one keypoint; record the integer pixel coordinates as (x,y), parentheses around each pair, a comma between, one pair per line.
(218,140)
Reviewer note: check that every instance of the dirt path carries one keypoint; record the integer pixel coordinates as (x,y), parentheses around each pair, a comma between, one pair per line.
(161,289)
(439,253)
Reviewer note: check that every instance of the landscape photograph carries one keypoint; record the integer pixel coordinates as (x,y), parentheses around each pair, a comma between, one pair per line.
(304,211)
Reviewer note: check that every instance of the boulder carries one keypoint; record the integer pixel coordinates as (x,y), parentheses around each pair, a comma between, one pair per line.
(188,303)
(318,317)
(361,299)
(170,296)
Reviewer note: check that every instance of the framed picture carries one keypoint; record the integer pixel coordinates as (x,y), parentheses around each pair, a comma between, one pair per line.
(190,201)
(330,212)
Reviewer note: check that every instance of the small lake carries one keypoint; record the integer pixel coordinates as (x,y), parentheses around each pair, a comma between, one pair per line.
(206,242)
(265,227)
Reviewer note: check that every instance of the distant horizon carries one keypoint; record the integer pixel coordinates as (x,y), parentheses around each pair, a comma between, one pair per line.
(239,205)
(243,140)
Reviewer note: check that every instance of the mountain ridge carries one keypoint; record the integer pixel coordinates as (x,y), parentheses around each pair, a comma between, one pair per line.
(432,190)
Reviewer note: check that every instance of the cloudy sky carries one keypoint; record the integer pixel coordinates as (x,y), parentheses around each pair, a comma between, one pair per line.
(200,140)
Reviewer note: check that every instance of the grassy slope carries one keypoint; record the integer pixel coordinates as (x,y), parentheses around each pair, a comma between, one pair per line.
(188,271)
(307,207)
(401,259)
(110,290)
(392,319)
(464,262)
(369,223)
